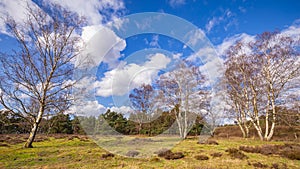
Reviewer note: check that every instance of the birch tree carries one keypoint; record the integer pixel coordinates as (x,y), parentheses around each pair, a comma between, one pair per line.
(256,79)
(280,65)
(182,91)
(143,103)
(236,80)
(36,76)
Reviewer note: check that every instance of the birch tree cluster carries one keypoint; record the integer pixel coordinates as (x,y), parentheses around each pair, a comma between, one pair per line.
(259,77)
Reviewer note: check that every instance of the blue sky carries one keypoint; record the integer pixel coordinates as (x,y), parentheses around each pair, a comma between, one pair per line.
(223,22)
(245,16)
(230,17)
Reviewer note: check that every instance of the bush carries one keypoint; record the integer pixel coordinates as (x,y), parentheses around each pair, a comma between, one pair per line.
(169,155)
(275,166)
(107,155)
(291,151)
(218,154)
(201,157)
(174,156)
(259,165)
(162,152)
(235,153)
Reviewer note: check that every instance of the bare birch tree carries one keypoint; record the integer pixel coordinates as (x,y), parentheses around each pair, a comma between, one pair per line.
(36,76)
(143,103)
(182,91)
(236,78)
(280,65)
(256,79)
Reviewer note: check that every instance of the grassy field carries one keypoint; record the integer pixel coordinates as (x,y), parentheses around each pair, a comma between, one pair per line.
(80,152)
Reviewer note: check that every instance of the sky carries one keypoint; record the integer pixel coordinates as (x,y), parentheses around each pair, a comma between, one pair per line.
(124,63)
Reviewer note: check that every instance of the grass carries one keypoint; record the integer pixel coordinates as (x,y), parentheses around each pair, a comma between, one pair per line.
(78,153)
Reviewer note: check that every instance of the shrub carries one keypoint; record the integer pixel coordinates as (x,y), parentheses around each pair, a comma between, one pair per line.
(174,156)
(163,152)
(259,165)
(291,151)
(201,157)
(217,154)
(275,166)
(169,155)
(107,155)
(235,153)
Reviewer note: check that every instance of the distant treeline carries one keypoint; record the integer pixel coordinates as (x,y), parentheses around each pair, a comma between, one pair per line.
(69,124)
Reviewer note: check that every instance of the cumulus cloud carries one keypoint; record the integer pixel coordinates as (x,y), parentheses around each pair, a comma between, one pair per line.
(228,42)
(90,10)
(206,53)
(87,108)
(96,12)
(213,70)
(293,30)
(194,37)
(128,76)
(123,109)
(16,9)
(102,45)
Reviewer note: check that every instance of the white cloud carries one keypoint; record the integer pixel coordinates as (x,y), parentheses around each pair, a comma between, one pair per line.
(177,55)
(212,23)
(228,42)
(90,9)
(227,16)
(123,109)
(16,9)
(87,108)
(213,70)
(206,54)
(194,37)
(121,80)
(212,63)
(293,30)
(176,3)
(211,57)
(102,44)
(95,11)
(154,41)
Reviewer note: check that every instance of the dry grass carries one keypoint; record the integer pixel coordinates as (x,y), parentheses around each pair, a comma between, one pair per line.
(70,151)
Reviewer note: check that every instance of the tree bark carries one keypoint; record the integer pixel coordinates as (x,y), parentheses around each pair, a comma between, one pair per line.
(259,131)
(273,120)
(34,129)
(247,131)
(242,129)
(31,137)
